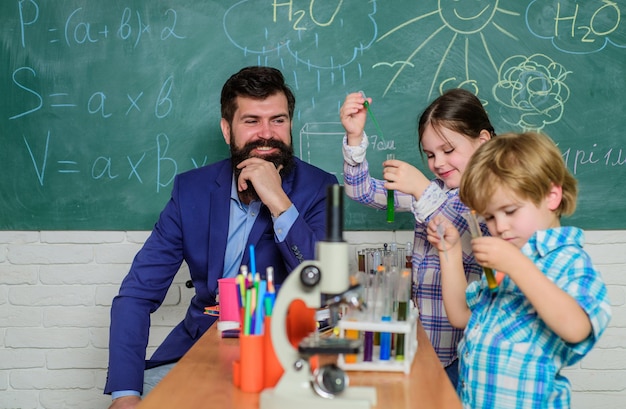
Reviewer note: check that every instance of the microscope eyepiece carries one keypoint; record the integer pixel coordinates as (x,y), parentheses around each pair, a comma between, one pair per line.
(334,213)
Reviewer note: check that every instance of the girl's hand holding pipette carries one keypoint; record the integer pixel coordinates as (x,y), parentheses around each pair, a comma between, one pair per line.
(353,114)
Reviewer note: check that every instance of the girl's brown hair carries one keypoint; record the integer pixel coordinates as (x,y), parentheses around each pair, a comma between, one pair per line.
(458,110)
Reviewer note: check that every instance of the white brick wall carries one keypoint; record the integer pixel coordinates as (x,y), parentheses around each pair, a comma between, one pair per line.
(56,290)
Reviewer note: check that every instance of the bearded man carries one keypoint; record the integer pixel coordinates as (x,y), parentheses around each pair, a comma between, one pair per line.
(262,196)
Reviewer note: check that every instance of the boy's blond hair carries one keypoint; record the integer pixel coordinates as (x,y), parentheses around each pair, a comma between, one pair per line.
(526,163)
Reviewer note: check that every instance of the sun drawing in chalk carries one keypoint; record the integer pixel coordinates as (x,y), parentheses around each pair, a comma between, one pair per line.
(465,19)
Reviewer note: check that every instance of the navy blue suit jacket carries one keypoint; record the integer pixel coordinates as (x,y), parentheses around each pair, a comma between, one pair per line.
(193,227)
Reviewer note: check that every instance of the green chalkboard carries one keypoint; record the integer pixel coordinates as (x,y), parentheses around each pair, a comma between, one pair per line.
(102,103)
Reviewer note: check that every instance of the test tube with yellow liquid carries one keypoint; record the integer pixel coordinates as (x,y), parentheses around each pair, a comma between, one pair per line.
(474,227)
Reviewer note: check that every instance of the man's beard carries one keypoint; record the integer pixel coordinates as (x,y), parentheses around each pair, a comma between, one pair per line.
(284,157)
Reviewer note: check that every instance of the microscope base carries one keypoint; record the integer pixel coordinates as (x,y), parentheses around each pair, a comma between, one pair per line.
(355,397)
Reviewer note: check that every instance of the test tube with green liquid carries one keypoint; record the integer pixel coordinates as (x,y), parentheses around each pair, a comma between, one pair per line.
(391,204)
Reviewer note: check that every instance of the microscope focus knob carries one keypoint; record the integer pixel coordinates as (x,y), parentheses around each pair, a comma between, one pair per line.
(329,381)
(310,276)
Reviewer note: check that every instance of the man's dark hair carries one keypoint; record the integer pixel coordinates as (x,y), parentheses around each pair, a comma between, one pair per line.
(254,82)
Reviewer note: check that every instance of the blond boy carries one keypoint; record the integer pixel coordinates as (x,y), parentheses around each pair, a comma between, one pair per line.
(550,306)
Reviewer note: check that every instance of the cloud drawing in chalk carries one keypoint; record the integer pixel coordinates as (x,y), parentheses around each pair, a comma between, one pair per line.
(318,35)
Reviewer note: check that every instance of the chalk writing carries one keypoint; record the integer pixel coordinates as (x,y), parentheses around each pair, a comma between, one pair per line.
(577,27)
(464,20)
(317,137)
(303,31)
(104,102)
(599,156)
(109,167)
(78,29)
(97,102)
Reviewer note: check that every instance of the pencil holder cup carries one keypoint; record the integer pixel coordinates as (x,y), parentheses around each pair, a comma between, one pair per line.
(251,362)
(237,374)
(229,304)
(272,369)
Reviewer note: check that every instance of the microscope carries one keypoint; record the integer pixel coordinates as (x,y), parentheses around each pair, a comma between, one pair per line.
(317,283)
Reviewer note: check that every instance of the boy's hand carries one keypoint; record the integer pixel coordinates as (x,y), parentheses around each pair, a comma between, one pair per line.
(498,254)
(451,237)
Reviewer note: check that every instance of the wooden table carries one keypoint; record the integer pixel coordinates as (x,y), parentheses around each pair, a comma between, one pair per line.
(203,379)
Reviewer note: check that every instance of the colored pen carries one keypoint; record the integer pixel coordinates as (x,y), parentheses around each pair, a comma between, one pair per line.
(269,300)
(259,308)
(270,295)
(240,281)
(247,313)
(269,275)
(252,260)
(255,294)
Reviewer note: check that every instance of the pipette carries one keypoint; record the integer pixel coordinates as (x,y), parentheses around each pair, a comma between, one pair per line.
(390,195)
(369,111)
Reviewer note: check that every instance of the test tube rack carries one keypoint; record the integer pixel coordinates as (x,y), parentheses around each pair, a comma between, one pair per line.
(408,327)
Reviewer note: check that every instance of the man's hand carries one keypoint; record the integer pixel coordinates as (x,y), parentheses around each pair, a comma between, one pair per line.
(266,180)
(125,402)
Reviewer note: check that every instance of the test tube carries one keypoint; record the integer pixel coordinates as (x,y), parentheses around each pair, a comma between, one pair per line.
(408,255)
(361,260)
(391,211)
(385,337)
(474,227)
(393,247)
(377,279)
(403,296)
(368,289)
(351,334)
